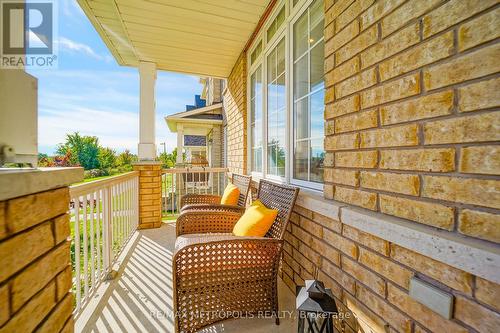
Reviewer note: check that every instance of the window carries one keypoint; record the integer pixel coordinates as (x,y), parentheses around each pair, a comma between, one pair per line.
(308,95)
(286,95)
(256,119)
(276,111)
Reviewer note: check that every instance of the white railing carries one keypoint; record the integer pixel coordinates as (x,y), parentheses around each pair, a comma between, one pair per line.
(177,182)
(104,214)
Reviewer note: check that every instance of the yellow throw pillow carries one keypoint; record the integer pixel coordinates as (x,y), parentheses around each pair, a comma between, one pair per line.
(231,195)
(256,220)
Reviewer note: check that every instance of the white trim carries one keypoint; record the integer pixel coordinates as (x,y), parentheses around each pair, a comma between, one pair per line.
(195,111)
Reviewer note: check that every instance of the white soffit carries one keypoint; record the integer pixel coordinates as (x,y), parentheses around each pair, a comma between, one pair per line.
(201,37)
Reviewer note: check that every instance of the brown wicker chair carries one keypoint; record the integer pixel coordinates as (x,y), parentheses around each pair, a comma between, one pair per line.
(212,202)
(216,274)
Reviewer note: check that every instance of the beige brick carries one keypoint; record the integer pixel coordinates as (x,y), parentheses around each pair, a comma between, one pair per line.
(356,197)
(341,38)
(406,13)
(351,13)
(433,214)
(4,300)
(312,227)
(3,222)
(470,66)
(481,95)
(363,275)
(328,162)
(38,274)
(367,320)
(455,278)
(480,159)
(480,224)
(347,69)
(481,192)
(475,315)
(370,241)
(431,160)
(345,177)
(433,321)
(335,10)
(17,252)
(392,271)
(28,318)
(326,250)
(361,159)
(343,244)
(391,182)
(61,228)
(58,316)
(451,13)
(356,83)
(383,309)
(358,44)
(378,11)
(338,275)
(311,255)
(342,142)
(329,127)
(329,96)
(345,106)
(391,91)
(403,39)
(480,30)
(488,292)
(429,106)
(399,136)
(64,282)
(476,128)
(303,261)
(357,121)
(27,211)
(327,222)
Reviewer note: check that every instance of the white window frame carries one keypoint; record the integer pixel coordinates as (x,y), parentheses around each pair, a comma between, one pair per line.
(292,14)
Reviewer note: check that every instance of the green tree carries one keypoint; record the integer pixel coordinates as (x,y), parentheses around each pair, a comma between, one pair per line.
(126,158)
(107,158)
(84,150)
(168,160)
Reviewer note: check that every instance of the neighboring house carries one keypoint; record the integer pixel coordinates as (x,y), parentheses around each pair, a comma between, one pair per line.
(199,128)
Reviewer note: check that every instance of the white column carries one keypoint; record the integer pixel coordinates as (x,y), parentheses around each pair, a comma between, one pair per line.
(180,143)
(147,147)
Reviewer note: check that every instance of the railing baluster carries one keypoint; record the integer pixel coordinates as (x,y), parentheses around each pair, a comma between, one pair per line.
(92,235)
(99,231)
(85,250)
(77,263)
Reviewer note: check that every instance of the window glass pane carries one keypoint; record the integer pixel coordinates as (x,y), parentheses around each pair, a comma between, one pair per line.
(300,160)
(300,78)
(317,114)
(317,159)
(257,160)
(255,54)
(281,57)
(281,91)
(280,18)
(271,31)
(300,36)
(317,66)
(316,22)
(256,119)
(271,66)
(301,121)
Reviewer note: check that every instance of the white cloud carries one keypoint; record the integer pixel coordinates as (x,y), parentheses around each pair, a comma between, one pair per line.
(68,45)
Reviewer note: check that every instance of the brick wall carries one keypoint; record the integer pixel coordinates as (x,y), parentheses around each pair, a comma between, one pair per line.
(149,194)
(412,129)
(235,109)
(370,278)
(35,274)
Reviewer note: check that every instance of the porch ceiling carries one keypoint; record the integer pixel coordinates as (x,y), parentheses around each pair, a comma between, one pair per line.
(196,37)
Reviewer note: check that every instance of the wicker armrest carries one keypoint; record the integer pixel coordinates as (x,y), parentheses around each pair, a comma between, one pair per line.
(192,199)
(194,222)
(209,207)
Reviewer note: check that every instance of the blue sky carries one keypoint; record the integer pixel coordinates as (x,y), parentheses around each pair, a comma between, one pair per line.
(90,93)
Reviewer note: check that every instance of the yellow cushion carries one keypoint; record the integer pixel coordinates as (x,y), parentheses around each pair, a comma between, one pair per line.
(256,220)
(231,195)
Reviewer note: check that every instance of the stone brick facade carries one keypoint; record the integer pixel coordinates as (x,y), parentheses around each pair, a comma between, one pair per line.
(411,123)
(412,129)
(235,108)
(149,194)
(35,275)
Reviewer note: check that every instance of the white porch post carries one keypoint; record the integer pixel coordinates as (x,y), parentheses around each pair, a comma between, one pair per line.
(180,143)
(147,147)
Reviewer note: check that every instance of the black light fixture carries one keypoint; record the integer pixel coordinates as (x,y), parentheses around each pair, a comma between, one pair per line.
(315,306)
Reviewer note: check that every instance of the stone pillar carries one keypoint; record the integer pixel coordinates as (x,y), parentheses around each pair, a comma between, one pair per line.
(147,146)
(35,274)
(149,194)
